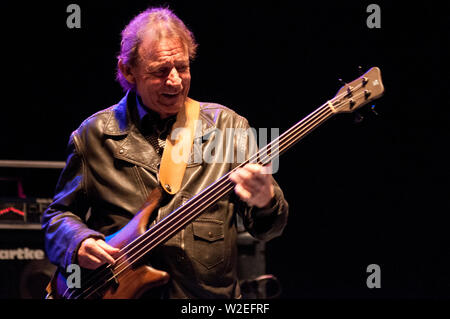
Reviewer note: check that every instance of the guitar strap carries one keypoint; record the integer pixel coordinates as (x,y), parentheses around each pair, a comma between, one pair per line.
(178,147)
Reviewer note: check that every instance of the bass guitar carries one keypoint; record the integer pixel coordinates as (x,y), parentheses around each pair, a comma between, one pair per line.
(130,277)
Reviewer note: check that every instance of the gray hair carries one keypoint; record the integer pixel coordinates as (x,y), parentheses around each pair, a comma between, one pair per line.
(163,23)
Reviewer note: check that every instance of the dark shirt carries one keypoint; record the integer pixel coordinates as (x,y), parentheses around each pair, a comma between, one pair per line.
(153,127)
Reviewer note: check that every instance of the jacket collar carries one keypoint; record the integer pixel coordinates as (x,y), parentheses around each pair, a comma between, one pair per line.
(120,121)
(132,146)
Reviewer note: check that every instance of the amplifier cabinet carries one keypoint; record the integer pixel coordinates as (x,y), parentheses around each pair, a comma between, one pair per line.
(24,267)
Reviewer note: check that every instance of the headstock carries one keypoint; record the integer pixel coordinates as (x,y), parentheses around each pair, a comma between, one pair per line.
(359,92)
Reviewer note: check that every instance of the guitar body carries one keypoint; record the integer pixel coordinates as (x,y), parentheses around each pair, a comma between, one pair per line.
(133,280)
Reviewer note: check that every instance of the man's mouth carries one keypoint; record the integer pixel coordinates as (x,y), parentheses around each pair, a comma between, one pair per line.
(170,95)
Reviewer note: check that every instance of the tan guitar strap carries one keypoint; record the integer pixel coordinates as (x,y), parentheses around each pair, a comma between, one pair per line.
(178,147)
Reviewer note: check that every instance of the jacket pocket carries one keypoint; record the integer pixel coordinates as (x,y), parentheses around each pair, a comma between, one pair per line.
(209,246)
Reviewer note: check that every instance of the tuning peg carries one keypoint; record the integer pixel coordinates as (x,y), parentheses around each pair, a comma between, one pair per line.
(342,82)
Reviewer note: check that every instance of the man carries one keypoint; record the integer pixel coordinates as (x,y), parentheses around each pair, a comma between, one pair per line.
(113,164)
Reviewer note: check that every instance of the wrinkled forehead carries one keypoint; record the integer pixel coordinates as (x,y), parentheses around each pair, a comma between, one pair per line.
(156,48)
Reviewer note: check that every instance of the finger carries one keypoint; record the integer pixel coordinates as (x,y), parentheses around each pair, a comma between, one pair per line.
(238,176)
(252,167)
(248,178)
(266,170)
(242,175)
(263,174)
(93,262)
(108,248)
(244,194)
(260,170)
(89,261)
(98,252)
(234,176)
(259,183)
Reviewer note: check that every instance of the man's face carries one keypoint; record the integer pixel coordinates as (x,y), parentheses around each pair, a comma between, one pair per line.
(162,75)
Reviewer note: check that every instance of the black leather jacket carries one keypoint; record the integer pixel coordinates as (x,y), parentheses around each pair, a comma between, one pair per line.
(110,170)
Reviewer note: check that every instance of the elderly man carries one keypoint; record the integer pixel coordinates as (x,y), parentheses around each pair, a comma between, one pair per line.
(114,160)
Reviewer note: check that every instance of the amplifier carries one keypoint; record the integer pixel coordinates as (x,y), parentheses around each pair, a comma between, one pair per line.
(22,210)
(24,267)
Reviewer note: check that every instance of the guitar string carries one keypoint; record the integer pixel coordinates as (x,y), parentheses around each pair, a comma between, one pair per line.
(281,136)
(257,155)
(198,209)
(263,150)
(154,233)
(206,192)
(218,197)
(214,184)
(305,121)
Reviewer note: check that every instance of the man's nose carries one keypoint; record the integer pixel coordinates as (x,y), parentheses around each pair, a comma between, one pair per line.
(174,78)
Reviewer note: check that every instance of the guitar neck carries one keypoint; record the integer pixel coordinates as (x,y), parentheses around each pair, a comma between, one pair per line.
(183,215)
(294,134)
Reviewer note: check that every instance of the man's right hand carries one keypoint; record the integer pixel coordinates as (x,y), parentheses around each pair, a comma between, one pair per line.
(95,252)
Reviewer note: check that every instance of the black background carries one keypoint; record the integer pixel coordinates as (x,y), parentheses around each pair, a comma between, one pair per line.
(376,192)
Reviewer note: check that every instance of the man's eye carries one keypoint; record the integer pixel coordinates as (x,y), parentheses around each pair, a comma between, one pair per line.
(161,72)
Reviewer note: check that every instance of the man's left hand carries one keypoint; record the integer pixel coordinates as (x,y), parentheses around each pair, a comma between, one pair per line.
(254,184)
